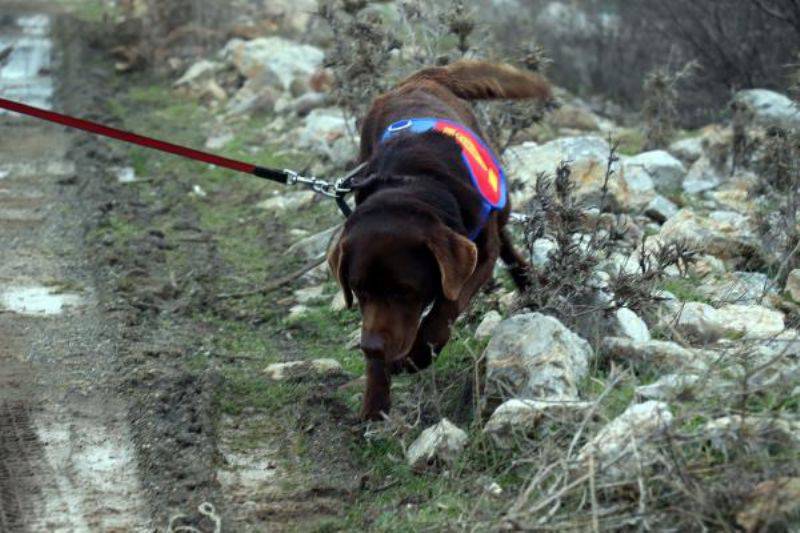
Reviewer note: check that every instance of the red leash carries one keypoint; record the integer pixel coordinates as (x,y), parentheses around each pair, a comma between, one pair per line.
(281,176)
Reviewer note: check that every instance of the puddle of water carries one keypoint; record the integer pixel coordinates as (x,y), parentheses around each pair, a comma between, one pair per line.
(25,76)
(36,300)
(4,173)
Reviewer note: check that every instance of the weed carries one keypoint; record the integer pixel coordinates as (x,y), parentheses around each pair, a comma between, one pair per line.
(660,107)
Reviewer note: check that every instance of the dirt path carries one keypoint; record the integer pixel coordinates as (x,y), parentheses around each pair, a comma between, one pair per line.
(67,459)
(130,393)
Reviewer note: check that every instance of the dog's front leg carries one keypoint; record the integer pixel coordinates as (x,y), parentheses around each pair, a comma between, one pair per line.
(377,397)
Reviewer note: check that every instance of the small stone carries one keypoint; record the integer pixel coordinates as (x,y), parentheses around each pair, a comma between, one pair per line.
(660,209)
(507,300)
(125,174)
(732,432)
(212,92)
(219,139)
(628,324)
(704,323)
(663,354)
(706,264)
(303,369)
(441,443)
(287,201)
(276,61)
(702,176)
(726,235)
(493,488)
(488,325)
(329,132)
(309,294)
(689,150)
(199,73)
(666,171)
(639,187)
(738,287)
(542,250)
(793,285)
(589,158)
(522,417)
(668,387)
(770,108)
(338,302)
(314,246)
(297,312)
(625,445)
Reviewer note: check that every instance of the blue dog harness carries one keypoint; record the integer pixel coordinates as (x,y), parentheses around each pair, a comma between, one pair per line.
(484,170)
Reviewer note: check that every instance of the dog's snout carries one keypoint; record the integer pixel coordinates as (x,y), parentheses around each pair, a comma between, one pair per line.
(372,344)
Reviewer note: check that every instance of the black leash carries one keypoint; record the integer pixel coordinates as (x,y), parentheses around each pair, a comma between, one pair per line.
(337,189)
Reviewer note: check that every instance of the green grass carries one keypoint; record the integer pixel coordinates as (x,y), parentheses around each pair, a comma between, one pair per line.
(631,141)
(685,289)
(89,10)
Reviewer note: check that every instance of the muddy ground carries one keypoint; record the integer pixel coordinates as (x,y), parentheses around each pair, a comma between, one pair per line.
(144,398)
(111,415)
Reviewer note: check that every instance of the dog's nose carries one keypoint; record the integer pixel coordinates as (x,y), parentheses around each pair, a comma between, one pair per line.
(372,344)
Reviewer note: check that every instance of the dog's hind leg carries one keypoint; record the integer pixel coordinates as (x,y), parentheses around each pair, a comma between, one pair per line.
(518,267)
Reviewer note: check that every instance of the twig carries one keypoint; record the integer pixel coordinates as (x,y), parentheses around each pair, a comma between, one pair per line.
(593,495)
(275,283)
(5,53)
(779,277)
(592,410)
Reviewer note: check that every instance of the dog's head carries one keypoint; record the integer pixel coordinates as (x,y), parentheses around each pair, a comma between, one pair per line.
(397,266)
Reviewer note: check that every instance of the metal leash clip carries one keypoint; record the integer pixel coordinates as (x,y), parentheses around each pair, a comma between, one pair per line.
(317,185)
(337,189)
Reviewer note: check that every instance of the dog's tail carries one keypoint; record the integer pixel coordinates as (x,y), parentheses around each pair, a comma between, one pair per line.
(481,80)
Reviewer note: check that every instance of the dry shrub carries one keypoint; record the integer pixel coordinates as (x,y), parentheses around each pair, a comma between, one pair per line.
(660,107)
(370,54)
(153,31)
(569,286)
(777,163)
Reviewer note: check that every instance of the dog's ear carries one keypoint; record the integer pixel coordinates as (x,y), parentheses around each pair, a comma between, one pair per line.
(336,258)
(457,257)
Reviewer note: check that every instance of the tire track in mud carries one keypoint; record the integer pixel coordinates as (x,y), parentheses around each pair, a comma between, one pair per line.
(66,457)
(170,410)
(20,461)
(186,455)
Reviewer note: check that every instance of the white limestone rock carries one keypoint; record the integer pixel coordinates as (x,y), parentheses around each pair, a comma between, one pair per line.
(303,369)
(534,356)
(628,324)
(627,443)
(520,418)
(487,326)
(441,443)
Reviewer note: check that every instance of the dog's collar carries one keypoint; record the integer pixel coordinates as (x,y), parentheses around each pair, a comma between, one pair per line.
(484,170)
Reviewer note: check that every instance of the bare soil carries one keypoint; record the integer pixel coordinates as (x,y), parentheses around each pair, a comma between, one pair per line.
(109,409)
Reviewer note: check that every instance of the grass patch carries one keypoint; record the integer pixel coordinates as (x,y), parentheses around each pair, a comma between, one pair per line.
(631,141)
(685,289)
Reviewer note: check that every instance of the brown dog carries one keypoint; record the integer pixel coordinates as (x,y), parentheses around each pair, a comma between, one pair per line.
(422,236)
